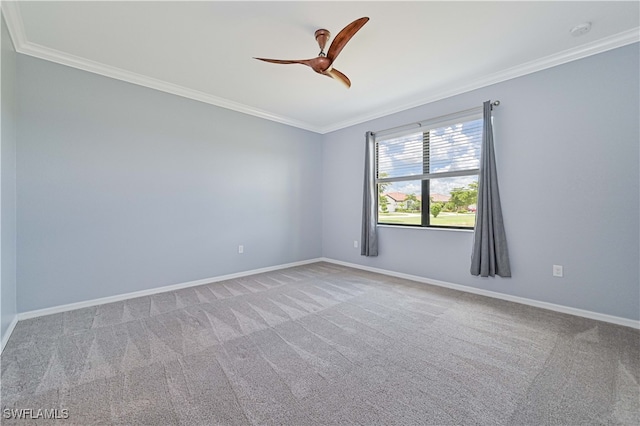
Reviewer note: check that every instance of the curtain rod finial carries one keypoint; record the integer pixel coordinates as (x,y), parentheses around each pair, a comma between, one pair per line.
(495,103)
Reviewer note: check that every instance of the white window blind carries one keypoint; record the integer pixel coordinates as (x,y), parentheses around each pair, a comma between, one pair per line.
(446,150)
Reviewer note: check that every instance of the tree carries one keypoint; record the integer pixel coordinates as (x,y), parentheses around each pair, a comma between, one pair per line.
(382,200)
(473,193)
(384,203)
(459,198)
(463,197)
(412,202)
(449,207)
(436,208)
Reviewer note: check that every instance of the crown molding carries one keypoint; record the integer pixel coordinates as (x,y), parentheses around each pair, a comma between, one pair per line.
(13,18)
(25,47)
(15,25)
(63,58)
(579,52)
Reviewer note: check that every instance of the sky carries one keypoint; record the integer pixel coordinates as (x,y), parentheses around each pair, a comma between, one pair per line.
(454,147)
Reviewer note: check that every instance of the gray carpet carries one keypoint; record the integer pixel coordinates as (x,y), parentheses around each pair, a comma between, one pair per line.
(322,344)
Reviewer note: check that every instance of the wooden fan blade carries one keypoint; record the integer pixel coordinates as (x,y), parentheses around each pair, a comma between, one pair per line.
(319,64)
(337,75)
(306,62)
(344,36)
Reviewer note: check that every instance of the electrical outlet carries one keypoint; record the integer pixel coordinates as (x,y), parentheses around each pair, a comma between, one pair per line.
(240,249)
(558,271)
(355,243)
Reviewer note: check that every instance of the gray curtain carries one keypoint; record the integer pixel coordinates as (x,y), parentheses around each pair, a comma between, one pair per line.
(369,240)
(490,256)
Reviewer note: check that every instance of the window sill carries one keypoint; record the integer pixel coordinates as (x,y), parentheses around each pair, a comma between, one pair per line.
(380,225)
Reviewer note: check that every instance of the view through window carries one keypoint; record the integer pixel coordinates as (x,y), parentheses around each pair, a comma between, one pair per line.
(430,177)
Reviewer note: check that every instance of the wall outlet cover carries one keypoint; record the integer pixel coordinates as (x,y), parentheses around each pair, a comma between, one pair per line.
(558,271)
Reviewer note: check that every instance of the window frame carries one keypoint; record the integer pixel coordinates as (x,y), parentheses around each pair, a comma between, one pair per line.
(425,178)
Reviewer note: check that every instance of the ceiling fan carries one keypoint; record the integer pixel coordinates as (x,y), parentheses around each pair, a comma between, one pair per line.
(323,63)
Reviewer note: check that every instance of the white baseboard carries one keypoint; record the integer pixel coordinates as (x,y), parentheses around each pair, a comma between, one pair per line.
(531,302)
(523,300)
(6,336)
(163,289)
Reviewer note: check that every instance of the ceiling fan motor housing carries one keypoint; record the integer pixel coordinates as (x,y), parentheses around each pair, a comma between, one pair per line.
(322,37)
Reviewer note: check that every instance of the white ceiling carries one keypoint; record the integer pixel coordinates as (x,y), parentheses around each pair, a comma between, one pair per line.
(408,54)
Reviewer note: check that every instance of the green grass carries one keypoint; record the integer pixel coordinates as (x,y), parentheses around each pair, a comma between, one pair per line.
(443,219)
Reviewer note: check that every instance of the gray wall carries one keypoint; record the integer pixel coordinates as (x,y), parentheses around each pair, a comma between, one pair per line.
(567,142)
(8,309)
(123,188)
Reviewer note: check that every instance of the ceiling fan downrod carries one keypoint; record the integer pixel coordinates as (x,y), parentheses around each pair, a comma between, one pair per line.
(322,37)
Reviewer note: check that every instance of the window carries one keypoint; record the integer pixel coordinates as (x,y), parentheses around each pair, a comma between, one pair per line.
(429,176)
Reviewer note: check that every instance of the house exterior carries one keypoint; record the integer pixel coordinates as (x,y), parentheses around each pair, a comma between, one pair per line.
(395,200)
(398,200)
(440,198)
